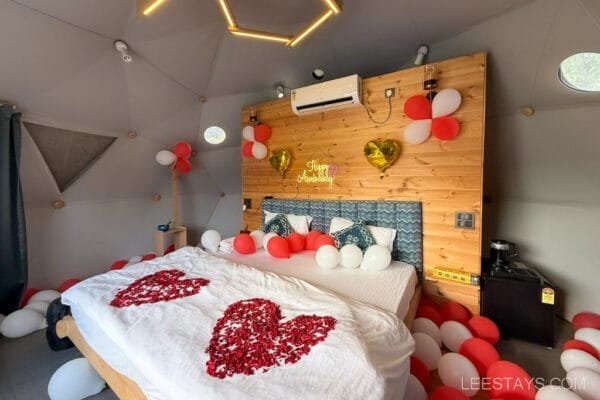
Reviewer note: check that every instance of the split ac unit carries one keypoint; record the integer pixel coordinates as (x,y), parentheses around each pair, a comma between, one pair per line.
(331,95)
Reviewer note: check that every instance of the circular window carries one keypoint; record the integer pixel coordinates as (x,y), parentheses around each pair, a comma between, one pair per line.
(581,72)
(214,135)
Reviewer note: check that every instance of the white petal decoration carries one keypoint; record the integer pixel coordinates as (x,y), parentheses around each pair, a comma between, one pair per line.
(417,131)
(22,323)
(445,103)
(75,380)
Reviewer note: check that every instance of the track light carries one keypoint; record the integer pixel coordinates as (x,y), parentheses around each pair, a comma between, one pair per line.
(153,6)
(421,53)
(122,48)
(316,23)
(258,35)
(280,90)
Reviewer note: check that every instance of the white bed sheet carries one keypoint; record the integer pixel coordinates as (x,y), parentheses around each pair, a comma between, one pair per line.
(390,289)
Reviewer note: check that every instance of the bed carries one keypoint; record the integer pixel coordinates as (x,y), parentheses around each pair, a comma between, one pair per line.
(127,361)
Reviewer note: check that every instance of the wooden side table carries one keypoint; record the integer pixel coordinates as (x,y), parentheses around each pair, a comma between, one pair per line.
(179,239)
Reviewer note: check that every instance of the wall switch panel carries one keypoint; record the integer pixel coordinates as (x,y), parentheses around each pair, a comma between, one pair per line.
(464,220)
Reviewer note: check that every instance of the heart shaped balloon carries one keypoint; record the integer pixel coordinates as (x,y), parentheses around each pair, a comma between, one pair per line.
(382,155)
(280,160)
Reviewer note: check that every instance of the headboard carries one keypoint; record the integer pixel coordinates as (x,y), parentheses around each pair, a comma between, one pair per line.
(404,216)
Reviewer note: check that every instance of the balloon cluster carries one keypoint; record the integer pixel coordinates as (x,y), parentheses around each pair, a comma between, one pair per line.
(32,315)
(256,136)
(432,117)
(178,157)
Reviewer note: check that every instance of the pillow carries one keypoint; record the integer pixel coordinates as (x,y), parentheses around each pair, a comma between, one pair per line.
(279,225)
(383,236)
(357,234)
(300,223)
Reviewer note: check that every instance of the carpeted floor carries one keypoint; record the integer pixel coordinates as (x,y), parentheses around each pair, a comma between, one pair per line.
(26,364)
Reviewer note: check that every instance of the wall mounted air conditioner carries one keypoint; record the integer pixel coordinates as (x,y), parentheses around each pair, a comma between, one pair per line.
(331,95)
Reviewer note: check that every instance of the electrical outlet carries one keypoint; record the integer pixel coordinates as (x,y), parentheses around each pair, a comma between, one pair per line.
(464,220)
(390,92)
(247,203)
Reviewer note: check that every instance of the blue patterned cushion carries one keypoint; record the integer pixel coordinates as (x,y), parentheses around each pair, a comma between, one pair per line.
(279,225)
(357,234)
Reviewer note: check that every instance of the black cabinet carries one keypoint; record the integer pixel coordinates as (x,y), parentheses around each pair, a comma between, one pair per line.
(522,308)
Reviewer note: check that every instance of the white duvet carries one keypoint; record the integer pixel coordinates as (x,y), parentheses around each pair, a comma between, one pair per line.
(320,346)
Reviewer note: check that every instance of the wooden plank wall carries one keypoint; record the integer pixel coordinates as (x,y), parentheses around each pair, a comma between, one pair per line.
(445,176)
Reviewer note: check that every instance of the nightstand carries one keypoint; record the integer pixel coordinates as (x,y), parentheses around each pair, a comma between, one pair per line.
(179,239)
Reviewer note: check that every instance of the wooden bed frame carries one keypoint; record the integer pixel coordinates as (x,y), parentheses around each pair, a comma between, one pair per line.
(127,389)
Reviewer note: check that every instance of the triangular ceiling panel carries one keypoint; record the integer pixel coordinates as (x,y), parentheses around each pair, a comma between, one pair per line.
(68,153)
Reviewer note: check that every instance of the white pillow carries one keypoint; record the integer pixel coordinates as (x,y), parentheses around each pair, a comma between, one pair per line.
(300,223)
(383,236)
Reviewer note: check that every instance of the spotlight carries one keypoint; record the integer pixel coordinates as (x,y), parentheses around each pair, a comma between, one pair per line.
(122,48)
(318,74)
(280,90)
(421,53)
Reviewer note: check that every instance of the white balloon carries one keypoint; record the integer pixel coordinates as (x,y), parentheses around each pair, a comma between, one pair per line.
(2,316)
(45,295)
(248,133)
(427,350)
(376,258)
(135,259)
(259,150)
(555,393)
(258,237)
(589,335)
(585,383)
(75,380)
(266,238)
(454,334)
(417,131)
(21,323)
(127,265)
(165,157)
(39,306)
(350,256)
(573,358)
(328,257)
(210,240)
(445,103)
(414,389)
(428,327)
(458,372)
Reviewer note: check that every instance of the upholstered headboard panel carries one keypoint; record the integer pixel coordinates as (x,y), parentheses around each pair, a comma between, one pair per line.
(404,216)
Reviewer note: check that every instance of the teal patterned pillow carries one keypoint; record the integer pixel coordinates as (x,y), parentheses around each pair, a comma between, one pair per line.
(357,234)
(279,225)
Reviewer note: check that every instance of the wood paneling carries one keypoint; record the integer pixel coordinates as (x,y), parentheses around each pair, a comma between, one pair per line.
(445,176)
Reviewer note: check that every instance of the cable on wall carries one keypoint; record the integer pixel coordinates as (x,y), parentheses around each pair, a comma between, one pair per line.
(386,118)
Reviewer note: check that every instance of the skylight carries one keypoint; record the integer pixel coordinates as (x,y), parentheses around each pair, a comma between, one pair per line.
(581,72)
(214,135)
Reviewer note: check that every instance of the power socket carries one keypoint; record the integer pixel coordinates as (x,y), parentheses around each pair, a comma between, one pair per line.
(390,92)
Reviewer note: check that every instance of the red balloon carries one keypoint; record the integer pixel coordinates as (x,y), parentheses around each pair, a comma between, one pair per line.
(182,150)
(296,241)
(510,380)
(448,393)
(262,132)
(429,313)
(586,320)
(278,247)
(480,352)
(420,371)
(427,301)
(170,249)
(118,264)
(183,166)
(417,107)
(581,345)
(247,149)
(148,257)
(445,128)
(311,237)
(322,240)
(484,328)
(451,311)
(67,284)
(244,244)
(27,295)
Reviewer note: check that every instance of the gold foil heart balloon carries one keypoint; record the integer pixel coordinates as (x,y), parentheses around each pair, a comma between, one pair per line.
(382,155)
(280,160)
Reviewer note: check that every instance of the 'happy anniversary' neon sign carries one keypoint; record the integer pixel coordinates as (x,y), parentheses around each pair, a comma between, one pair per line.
(315,172)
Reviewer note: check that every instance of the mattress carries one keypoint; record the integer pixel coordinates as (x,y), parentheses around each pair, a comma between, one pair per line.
(390,289)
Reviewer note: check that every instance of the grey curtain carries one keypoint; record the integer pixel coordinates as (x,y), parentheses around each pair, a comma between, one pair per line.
(13,246)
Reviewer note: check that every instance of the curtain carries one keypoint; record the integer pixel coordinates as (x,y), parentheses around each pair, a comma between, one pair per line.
(13,246)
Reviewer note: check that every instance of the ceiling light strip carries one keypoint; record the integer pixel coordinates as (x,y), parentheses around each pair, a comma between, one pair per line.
(227,13)
(333,4)
(311,28)
(150,9)
(259,35)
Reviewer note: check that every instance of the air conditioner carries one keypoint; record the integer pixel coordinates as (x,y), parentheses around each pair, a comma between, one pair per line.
(331,95)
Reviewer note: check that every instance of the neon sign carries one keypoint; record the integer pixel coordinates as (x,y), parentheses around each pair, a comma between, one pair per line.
(316,172)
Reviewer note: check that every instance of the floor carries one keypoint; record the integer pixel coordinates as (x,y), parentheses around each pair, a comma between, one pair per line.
(26,364)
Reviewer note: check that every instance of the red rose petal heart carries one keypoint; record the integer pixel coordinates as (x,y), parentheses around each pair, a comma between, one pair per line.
(250,337)
(160,286)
